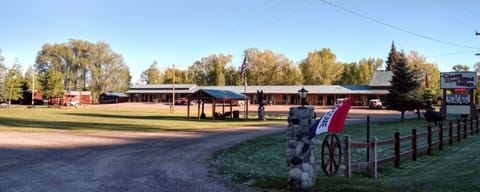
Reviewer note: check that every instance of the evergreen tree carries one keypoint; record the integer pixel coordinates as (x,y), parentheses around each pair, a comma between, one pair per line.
(393,58)
(14,83)
(405,93)
(3,94)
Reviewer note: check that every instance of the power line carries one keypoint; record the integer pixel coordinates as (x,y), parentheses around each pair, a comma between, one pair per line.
(395,27)
(452,53)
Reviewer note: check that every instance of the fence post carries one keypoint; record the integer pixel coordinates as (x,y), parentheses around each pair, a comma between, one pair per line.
(368,137)
(397,149)
(429,139)
(348,156)
(465,128)
(374,158)
(458,130)
(440,135)
(471,126)
(414,144)
(450,133)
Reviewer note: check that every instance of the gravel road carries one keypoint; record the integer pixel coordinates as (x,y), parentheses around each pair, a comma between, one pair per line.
(118,161)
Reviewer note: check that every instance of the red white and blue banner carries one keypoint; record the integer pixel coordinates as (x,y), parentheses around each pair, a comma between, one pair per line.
(333,121)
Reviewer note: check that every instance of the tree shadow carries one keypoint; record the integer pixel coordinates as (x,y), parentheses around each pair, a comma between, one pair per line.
(66,125)
(150,117)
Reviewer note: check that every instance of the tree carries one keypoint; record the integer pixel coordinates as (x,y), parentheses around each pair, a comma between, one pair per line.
(210,70)
(403,95)
(13,82)
(52,83)
(423,70)
(29,74)
(350,75)
(366,68)
(3,94)
(83,66)
(181,76)
(393,58)
(460,68)
(270,68)
(321,68)
(109,72)
(152,75)
(477,93)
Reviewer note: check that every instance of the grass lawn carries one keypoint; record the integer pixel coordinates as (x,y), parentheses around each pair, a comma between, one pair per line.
(262,163)
(21,118)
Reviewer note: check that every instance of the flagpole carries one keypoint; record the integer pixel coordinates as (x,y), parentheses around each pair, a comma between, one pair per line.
(245,92)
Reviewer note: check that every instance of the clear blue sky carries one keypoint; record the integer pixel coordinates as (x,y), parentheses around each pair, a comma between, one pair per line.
(182,31)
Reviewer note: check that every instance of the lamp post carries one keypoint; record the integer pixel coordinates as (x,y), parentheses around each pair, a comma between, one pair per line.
(303,95)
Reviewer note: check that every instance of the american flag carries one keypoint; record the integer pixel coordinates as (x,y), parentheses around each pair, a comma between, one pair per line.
(244,66)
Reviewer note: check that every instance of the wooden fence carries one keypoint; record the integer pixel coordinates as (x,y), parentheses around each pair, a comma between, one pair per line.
(454,131)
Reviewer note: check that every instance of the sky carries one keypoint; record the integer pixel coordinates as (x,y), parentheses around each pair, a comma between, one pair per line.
(179,32)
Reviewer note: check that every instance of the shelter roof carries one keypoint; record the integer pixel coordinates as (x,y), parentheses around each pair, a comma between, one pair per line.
(216,94)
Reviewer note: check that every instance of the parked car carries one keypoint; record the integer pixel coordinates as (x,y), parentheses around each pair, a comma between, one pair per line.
(181,101)
(375,104)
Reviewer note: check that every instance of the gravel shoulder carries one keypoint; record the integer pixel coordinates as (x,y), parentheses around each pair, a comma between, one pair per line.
(120,161)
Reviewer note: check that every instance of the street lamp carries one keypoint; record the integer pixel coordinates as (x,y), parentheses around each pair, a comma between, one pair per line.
(303,95)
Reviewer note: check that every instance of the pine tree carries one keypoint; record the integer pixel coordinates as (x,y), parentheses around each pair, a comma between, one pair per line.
(405,93)
(393,58)
(14,82)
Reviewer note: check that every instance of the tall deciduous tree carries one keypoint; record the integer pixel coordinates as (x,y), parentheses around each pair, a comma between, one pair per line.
(181,76)
(13,82)
(366,68)
(350,75)
(270,68)
(152,75)
(83,66)
(403,94)
(210,70)
(321,68)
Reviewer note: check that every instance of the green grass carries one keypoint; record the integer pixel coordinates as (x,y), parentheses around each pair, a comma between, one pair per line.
(112,119)
(262,163)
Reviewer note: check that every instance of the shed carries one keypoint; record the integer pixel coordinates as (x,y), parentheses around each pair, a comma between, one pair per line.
(214,96)
(113,98)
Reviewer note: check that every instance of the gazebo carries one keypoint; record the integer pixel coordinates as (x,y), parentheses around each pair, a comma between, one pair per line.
(215,96)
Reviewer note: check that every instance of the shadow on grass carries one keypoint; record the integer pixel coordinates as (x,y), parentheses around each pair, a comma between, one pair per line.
(63,125)
(156,117)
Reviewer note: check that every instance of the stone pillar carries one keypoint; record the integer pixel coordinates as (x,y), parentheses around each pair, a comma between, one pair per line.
(300,149)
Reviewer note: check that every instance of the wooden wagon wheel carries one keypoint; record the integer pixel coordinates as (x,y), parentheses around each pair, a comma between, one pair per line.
(331,154)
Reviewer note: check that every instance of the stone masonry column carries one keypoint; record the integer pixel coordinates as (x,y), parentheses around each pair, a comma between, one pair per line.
(300,149)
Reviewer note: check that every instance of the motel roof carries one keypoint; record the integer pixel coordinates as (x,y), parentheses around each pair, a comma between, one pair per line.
(267,89)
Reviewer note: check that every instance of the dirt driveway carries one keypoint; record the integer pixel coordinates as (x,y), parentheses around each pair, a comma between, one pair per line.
(118,161)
